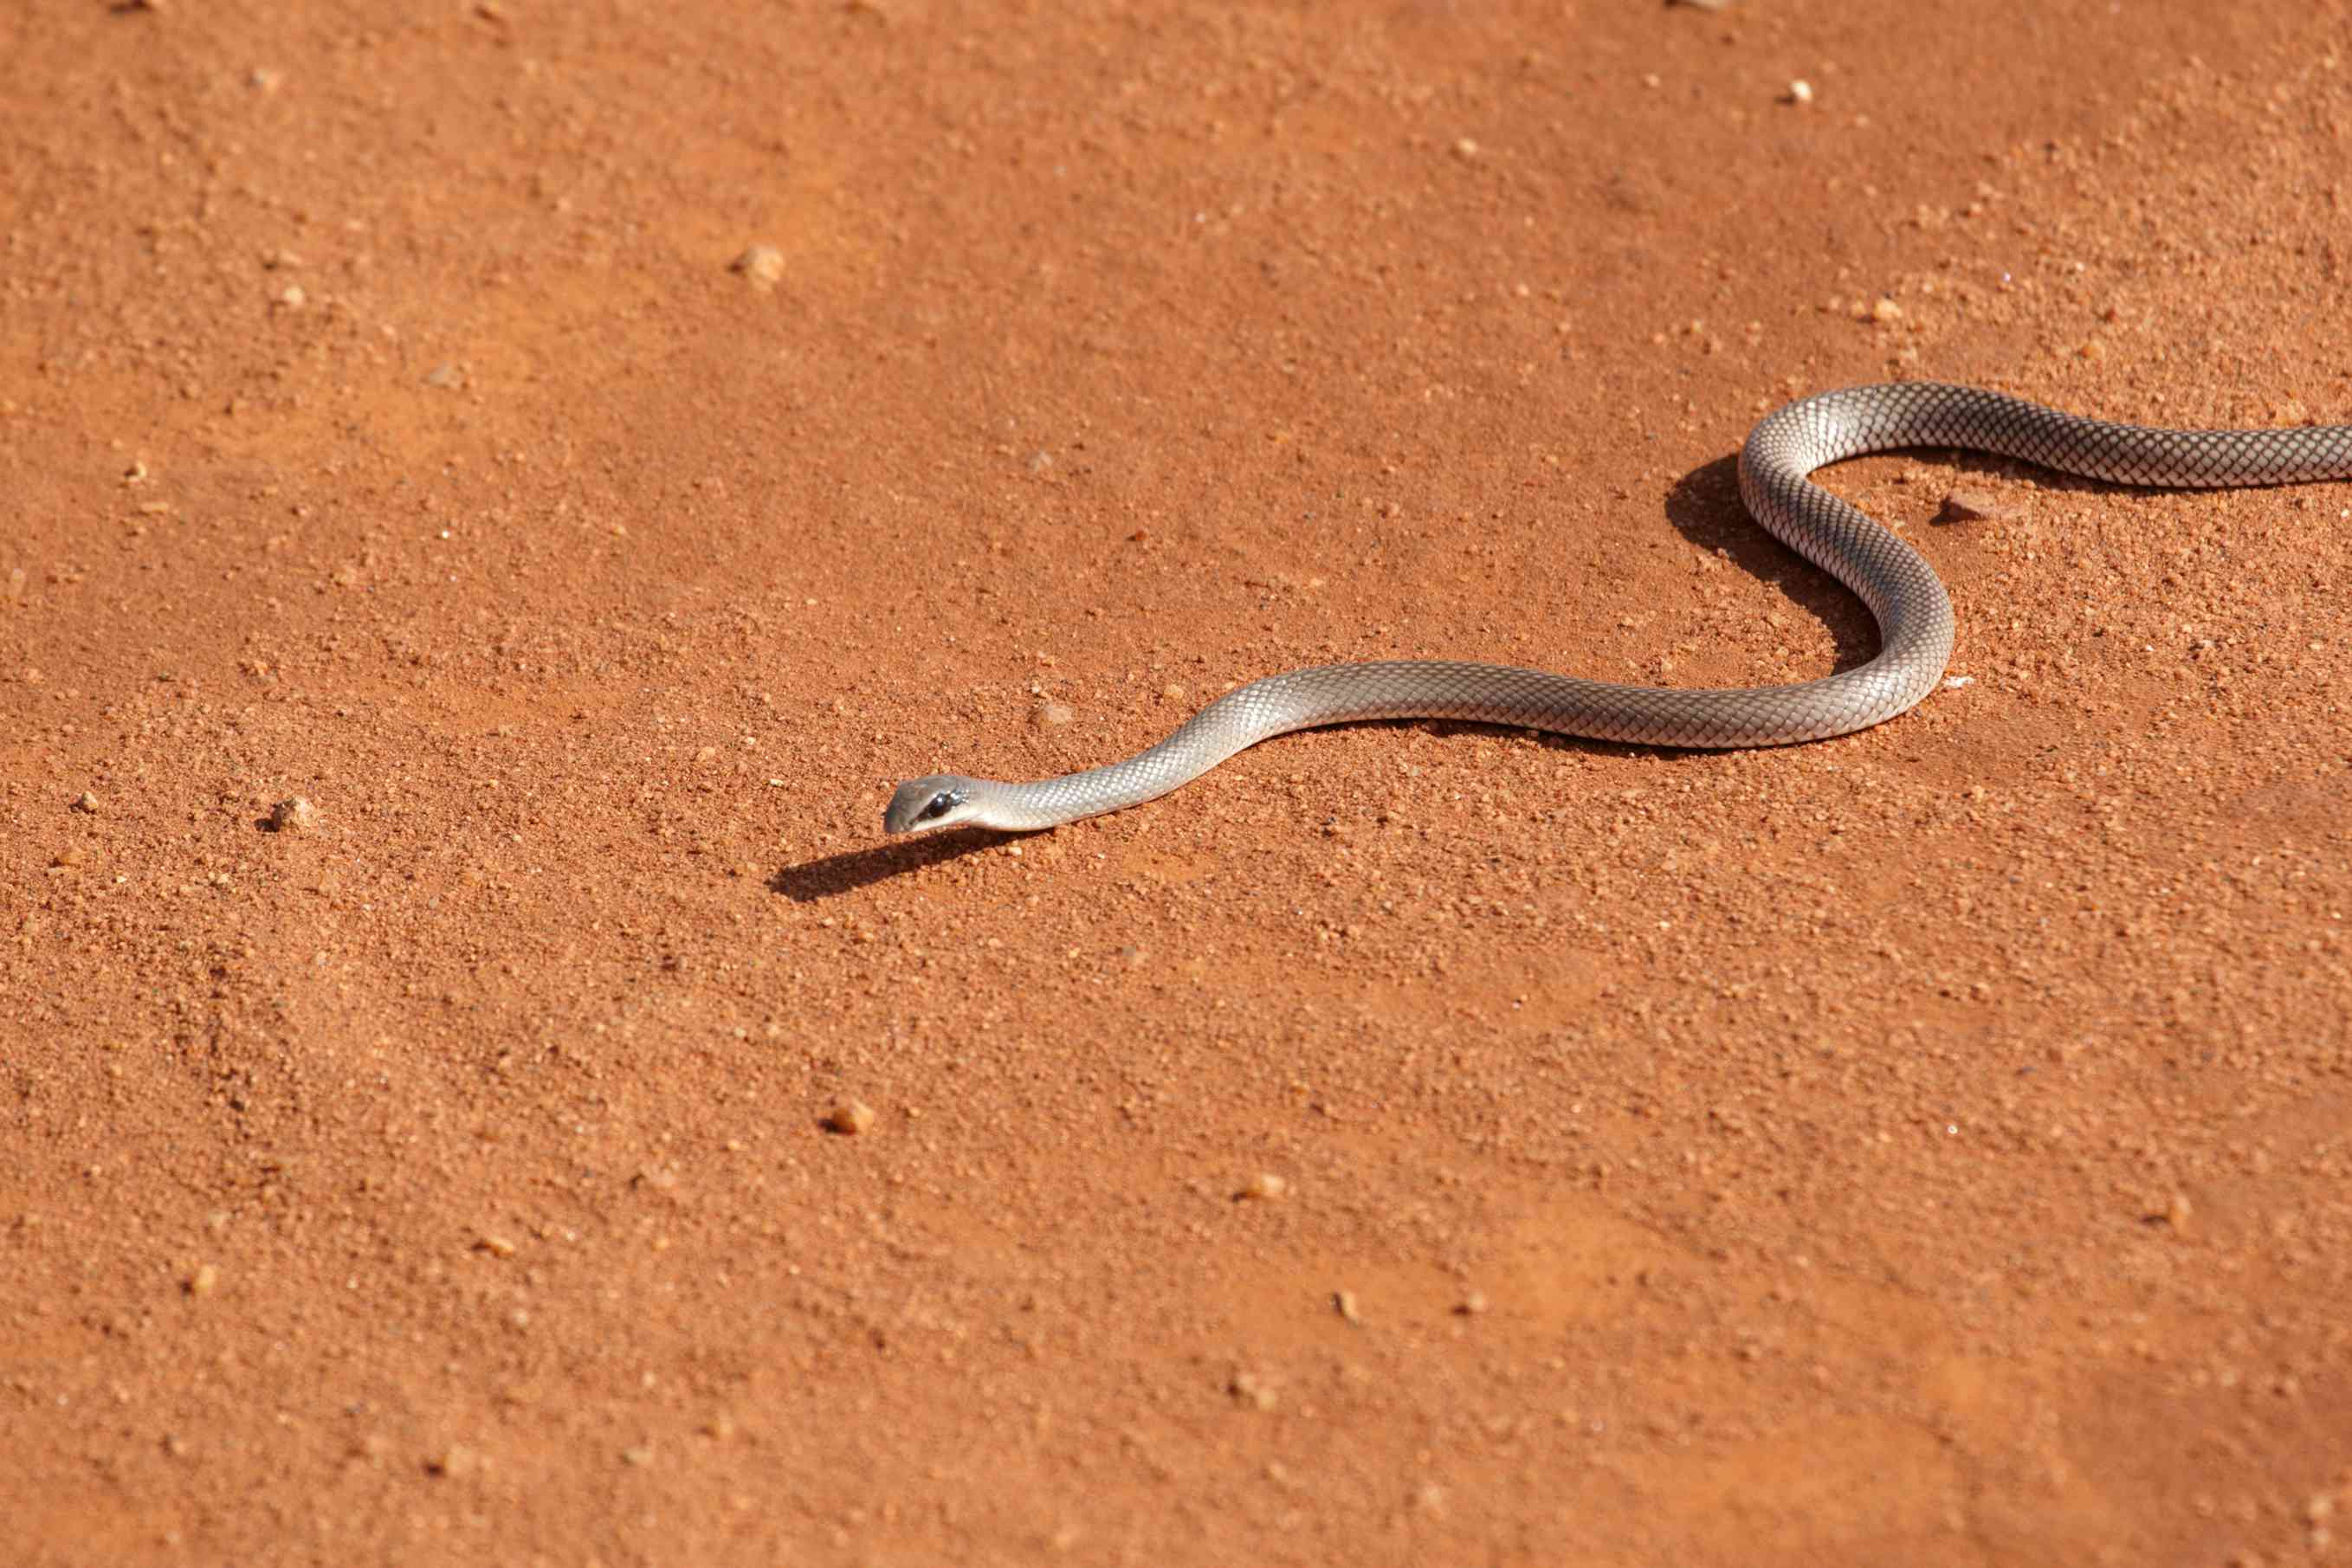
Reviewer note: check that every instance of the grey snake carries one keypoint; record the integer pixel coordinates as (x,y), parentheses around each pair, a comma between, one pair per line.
(1914,613)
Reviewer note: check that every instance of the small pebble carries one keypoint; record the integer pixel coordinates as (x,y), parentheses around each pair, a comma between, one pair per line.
(1252,1392)
(639,1455)
(1344,1303)
(293,815)
(1050,715)
(1800,92)
(496,1246)
(445,375)
(762,264)
(850,1118)
(453,1463)
(1970,505)
(86,801)
(1174,691)
(1264,1186)
(205,1280)
(1472,1305)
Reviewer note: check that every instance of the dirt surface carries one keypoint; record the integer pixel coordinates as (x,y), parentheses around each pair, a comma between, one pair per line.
(1414,1144)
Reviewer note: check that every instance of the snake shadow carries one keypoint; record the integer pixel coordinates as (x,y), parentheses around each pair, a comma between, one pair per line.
(813,881)
(1704,507)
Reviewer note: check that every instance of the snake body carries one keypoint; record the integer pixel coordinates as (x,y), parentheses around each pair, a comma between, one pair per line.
(1914,613)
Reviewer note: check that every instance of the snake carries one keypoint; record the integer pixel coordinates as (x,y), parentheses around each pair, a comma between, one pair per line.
(1916,623)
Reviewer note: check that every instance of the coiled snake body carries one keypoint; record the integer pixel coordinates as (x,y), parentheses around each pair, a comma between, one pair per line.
(1915,616)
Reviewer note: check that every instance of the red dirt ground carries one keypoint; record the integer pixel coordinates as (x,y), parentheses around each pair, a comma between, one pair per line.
(1927,1147)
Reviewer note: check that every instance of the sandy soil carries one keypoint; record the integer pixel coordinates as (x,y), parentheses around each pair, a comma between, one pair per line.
(1928,1147)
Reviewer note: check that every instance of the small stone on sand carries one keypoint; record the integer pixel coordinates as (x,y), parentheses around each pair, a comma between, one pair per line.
(453,1463)
(1969,505)
(1252,1392)
(762,264)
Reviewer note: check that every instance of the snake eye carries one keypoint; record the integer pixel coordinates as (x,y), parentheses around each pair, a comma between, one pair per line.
(940,805)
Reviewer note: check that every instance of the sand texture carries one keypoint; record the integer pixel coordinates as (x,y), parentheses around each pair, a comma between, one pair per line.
(495,495)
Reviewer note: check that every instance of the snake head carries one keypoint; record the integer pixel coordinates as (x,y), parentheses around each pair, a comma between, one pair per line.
(938,801)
